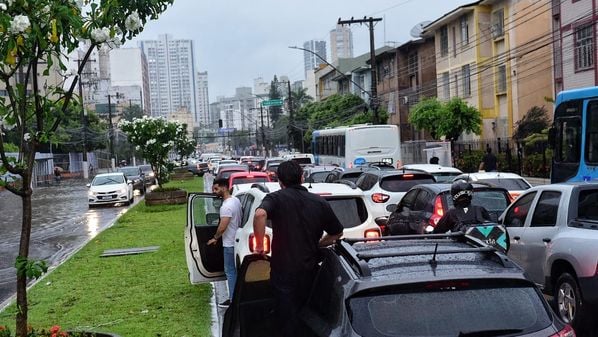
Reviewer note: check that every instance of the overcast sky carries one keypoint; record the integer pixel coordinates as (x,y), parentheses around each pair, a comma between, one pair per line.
(239,40)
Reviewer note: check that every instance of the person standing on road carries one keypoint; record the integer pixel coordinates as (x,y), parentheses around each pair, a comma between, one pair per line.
(230,219)
(299,219)
(488,163)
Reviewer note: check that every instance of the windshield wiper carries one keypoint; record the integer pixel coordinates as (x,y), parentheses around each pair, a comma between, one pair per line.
(489,333)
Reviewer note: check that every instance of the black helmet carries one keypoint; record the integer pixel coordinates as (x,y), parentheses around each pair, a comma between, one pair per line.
(461,191)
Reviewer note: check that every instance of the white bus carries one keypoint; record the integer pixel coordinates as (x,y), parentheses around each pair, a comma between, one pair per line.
(350,146)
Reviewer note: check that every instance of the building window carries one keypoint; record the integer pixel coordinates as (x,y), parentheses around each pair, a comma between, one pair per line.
(497,28)
(444,44)
(413,69)
(456,85)
(464,31)
(466,74)
(584,48)
(446,89)
(454,41)
(502,79)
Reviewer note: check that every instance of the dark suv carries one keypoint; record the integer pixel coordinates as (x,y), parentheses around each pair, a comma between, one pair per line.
(421,285)
(424,205)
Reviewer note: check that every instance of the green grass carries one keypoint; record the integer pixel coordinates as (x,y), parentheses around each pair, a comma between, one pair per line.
(136,295)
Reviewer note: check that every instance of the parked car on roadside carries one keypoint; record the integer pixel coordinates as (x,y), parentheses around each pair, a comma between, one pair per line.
(386,187)
(514,183)
(110,188)
(443,174)
(424,205)
(148,174)
(439,286)
(553,233)
(135,175)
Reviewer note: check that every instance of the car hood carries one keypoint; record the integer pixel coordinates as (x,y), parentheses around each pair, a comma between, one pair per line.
(107,188)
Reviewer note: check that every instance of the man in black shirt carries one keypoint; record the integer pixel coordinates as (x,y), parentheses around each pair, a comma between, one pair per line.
(299,219)
(464,214)
(489,161)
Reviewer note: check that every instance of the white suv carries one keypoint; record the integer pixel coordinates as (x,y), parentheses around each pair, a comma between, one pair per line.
(348,204)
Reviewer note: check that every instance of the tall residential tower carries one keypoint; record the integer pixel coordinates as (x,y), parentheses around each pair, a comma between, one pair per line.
(202,110)
(312,61)
(341,43)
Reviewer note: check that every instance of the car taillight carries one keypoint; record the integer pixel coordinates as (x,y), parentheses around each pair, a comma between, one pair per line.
(407,176)
(372,233)
(253,243)
(566,332)
(380,198)
(438,211)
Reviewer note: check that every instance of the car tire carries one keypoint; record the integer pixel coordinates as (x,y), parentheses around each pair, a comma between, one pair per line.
(91,206)
(568,303)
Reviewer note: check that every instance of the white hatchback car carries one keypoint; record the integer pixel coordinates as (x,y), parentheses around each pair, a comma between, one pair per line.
(110,188)
(202,220)
(512,182)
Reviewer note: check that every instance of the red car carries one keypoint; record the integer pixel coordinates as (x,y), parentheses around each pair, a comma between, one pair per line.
(247,177)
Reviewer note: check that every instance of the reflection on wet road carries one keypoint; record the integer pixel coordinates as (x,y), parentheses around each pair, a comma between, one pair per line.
(62,222)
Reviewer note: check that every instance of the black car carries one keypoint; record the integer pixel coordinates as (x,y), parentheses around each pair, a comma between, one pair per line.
(425,204)
(148,174)
(425,285)
(136,175)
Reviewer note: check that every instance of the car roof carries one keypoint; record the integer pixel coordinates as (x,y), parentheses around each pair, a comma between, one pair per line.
(407,259)
(110,174)
(388,173)
(432,168)
(245,174)
(492,175)
(323,189)
(320,168)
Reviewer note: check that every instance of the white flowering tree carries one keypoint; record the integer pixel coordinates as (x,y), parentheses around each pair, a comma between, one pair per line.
(154,138)
(35,37)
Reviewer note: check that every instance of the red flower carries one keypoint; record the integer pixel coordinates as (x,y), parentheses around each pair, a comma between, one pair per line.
(2,328)
(55,329)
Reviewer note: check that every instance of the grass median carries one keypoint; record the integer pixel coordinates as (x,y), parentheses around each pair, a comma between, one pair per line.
(135,295)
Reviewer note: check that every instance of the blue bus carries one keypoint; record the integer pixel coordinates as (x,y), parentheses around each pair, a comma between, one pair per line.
(574,136)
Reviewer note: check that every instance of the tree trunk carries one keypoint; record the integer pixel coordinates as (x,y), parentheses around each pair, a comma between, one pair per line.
(22,307)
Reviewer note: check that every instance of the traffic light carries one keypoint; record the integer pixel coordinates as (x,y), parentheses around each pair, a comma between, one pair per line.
(220,123)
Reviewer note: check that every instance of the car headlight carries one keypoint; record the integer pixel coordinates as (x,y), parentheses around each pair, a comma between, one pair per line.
(151,174)
(91,193)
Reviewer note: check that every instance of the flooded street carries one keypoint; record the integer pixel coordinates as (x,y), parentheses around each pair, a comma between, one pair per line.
(62,222)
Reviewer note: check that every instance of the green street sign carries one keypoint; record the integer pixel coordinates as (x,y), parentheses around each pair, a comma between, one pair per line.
(272,102)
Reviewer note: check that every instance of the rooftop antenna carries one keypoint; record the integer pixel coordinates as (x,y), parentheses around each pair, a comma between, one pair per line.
(418,29)
(433,261)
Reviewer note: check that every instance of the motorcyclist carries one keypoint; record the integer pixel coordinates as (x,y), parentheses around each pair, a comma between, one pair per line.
(464,214)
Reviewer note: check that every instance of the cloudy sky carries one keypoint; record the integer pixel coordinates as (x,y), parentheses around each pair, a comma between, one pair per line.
(239,40)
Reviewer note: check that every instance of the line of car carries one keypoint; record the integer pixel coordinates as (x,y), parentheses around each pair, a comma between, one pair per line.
(420,203)
(119,187)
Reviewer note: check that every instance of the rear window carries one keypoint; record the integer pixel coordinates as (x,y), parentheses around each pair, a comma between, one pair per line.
(449,311)
(445,177)
(509,184)
(351,176)
(587,209)
(402,183)
(319,177)
(492,201)
(250,180)
(302,160)
(351,211)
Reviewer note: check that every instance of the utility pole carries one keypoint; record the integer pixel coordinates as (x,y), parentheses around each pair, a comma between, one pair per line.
(374,104)
(111,134)
(291,119)
(84,117)
(263,133)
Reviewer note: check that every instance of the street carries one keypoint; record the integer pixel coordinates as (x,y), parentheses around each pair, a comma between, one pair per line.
(62,223)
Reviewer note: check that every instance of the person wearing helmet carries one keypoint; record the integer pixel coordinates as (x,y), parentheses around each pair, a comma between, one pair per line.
(464,214)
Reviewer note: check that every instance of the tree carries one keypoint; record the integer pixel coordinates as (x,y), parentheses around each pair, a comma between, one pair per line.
(35,36)
(275,111)
(534,121)
(154,138)
(300,98)
(447,120)
(131,112)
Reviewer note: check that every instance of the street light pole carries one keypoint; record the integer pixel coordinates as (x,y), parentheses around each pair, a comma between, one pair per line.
(84,117)
(111,134)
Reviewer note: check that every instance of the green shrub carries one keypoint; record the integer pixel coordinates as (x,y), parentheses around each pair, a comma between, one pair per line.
(469,161)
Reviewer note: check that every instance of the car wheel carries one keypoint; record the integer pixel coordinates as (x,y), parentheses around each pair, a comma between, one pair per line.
(568,301)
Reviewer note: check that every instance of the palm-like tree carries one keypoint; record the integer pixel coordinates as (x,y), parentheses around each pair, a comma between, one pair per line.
(300,98)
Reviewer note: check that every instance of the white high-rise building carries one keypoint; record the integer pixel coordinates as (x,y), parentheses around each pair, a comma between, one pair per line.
(202,109)
(312,61)
(129,76)
(171,74)
(341,43)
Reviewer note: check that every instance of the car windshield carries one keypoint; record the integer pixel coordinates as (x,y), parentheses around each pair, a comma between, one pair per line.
(351,212)
(586,209)
(511,184)
(129,171)
(146,168)
(445,177)
(402,183)
(495,202)
(319,177)
(107,180)
(449,311)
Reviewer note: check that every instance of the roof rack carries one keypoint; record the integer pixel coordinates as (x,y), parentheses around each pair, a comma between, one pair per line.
(359,261)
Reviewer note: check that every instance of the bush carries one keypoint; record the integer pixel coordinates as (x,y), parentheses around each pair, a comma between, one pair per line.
(469,161)
(533,165)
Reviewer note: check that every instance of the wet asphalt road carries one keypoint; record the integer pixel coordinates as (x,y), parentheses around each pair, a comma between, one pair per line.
(62,222)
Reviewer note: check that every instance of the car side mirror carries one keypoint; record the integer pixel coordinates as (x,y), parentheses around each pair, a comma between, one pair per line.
(88,185)
(392,208)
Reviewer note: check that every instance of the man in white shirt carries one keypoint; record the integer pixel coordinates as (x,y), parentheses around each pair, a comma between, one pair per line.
(230,219)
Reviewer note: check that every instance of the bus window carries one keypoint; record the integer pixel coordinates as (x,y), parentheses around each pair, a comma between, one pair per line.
(569,146)
(592,133)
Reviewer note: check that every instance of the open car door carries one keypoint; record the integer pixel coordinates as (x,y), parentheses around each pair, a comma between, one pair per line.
(205,263)
(251,312)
